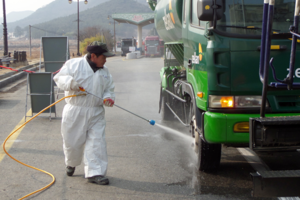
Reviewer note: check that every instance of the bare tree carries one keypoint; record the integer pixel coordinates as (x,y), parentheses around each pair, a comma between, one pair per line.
(89,32)
(93,31)
(109,38)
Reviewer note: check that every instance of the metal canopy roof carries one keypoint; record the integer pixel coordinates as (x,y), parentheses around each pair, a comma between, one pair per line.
(135,19)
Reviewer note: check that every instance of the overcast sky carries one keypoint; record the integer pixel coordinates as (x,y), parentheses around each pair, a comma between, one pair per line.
(22,5)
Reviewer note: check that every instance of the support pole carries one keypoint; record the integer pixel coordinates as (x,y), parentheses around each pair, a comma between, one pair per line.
(267,57)
(140,41)
(132,41)
(5,45)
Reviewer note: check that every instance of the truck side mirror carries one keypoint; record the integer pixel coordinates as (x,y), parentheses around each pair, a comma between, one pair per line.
(206,9)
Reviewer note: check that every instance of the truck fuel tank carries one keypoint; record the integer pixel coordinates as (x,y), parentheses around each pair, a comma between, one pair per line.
(168,19)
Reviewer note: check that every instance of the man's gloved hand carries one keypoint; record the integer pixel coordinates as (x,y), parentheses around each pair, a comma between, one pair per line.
(108,102)
(81,89)
(75,86)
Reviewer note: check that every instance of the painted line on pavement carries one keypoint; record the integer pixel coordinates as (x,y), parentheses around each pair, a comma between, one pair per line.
(14,137)
(253,159)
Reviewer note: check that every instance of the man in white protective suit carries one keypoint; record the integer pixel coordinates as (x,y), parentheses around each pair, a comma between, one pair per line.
(83,118)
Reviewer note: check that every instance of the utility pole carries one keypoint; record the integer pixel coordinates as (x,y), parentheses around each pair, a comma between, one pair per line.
(115,36)
(114,31)
(85,2)
(30,41)
(4,31)
(78,54)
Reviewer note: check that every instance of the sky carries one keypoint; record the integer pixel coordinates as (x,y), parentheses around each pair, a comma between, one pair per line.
(22,5)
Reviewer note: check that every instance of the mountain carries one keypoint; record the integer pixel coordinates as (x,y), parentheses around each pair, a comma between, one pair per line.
(96,17)
(15,16)
(53,10)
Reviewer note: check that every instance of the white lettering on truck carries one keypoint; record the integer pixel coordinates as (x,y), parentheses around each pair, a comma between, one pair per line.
(297,72)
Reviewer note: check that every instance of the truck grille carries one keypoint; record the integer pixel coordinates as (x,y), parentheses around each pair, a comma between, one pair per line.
(288,103)
(151,50)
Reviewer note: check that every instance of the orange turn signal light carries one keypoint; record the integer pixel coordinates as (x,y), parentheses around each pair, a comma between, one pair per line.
(241,127)
(226,102)
(200,94)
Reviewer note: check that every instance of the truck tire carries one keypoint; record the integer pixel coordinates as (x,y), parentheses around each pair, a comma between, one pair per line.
(208,156)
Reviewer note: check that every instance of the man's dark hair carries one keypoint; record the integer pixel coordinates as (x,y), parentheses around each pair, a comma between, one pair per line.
(89,55)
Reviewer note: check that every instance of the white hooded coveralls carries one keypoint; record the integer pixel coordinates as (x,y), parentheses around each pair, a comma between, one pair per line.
(83,118)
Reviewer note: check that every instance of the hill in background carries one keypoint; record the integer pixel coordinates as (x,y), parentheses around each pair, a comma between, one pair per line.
(53,10)
(15,16)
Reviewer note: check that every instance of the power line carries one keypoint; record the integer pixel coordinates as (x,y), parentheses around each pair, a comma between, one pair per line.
(46,31)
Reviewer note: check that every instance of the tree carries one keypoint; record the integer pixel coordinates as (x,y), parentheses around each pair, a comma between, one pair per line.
(88,41)
(102,35)
(89,32)
(18,31)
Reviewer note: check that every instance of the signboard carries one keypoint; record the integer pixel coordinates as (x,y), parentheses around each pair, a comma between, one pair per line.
(55,51)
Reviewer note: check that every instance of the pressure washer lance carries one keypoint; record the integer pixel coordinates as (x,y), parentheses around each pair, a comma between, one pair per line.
(152,122)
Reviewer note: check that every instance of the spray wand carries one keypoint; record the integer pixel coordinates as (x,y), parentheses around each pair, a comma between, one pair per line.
(152,122)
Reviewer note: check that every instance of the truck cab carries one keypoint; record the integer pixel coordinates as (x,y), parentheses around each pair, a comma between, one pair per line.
(152,46)
(118,46)
(125,44)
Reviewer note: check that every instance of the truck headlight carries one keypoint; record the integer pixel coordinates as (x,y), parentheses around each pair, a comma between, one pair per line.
(235,101)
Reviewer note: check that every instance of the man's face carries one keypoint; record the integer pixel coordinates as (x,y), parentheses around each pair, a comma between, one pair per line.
(99,61)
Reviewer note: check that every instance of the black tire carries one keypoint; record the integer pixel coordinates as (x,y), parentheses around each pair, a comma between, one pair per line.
(209,155)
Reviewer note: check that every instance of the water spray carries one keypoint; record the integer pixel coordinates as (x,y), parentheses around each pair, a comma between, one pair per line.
(152,122)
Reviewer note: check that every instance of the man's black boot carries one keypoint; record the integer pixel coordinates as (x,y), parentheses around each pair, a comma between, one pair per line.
(70,170)
(100,180)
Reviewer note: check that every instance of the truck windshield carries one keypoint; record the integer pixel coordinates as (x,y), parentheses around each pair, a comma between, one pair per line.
(245,17)
(152,42)
(127,43)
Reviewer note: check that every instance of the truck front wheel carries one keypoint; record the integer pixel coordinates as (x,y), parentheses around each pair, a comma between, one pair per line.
(208,156)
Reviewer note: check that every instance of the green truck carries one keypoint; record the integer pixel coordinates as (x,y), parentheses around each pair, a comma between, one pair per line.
(210,80)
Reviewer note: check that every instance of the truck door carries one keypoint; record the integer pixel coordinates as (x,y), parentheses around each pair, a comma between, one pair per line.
(195,45)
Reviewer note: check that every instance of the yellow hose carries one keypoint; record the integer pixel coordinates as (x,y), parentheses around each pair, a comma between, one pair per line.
(29,165)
